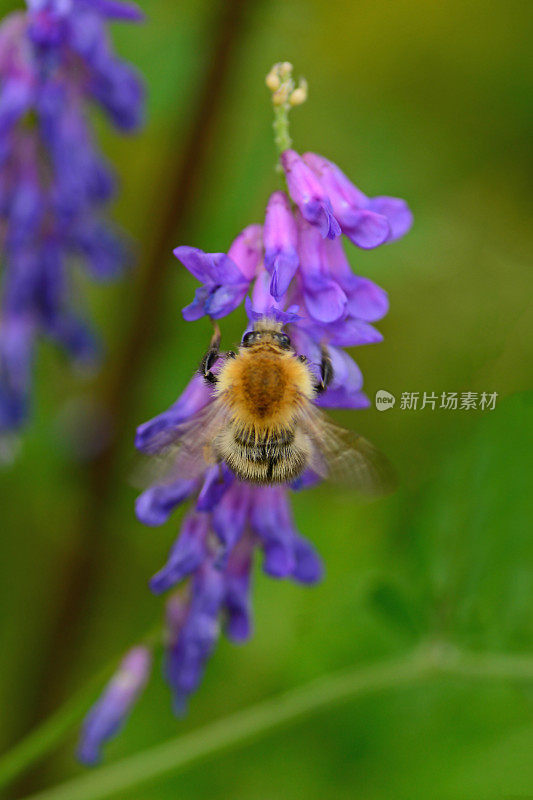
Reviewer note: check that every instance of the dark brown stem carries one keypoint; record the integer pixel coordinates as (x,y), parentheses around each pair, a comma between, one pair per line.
(85,562)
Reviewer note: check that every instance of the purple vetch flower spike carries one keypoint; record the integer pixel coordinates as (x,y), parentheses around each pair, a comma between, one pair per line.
(281,243)
(367,222)
(292,270)
(56,59)
(309,195)
(223,284)
(109,713)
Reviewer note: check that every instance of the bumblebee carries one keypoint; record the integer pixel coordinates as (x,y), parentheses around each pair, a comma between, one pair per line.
(263,422)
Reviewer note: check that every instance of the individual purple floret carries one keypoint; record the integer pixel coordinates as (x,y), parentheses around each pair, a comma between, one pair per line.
(225,278)
(281,243)
(367,222)
(309,194)
(55,60)
(110,712)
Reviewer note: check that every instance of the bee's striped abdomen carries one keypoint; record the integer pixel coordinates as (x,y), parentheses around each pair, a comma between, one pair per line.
(266,457)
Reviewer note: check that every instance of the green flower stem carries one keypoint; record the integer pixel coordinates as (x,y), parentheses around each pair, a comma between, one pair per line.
(47,736)
(282,137)
(428,662)
(67,718)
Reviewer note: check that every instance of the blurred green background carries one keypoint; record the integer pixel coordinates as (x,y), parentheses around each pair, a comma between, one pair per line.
(427,101)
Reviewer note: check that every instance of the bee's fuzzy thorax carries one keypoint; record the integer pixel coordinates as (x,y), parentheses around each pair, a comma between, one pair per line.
(264,387)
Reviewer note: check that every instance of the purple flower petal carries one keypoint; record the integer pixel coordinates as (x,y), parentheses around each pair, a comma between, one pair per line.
(212,269)
(186,556)
(117,10)
(237,599)
(309,194)
(154,506)
(263,305)
(224,300)
(367,229)
(345,198)
(343,397)
(271,520)
(348,203)
(351,333)
(247,251)
(281,241)
(196,309)
(308,566)
(216,483)
(231,513)
(366,300)
(324,298)
(187,657)
(397,212)
(224,284)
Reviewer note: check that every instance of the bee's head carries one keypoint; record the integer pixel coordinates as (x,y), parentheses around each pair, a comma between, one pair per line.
(267,331)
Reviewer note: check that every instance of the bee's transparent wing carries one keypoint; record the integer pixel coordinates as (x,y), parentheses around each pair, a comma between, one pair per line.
(345,457)
(186,452)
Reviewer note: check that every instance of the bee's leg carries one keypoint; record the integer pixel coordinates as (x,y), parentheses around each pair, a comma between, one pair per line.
(326,371)
(211,356)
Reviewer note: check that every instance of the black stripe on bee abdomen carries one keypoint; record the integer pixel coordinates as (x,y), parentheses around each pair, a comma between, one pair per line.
(264,449)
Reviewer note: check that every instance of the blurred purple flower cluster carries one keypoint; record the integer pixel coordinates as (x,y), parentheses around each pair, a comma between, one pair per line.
(55,60)
(295,269)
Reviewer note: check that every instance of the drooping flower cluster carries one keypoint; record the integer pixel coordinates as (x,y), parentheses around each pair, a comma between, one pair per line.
(292,268)
(56,59)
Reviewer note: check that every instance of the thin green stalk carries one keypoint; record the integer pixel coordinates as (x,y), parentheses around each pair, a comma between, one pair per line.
(58,725)
(244,726)
(53,730)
